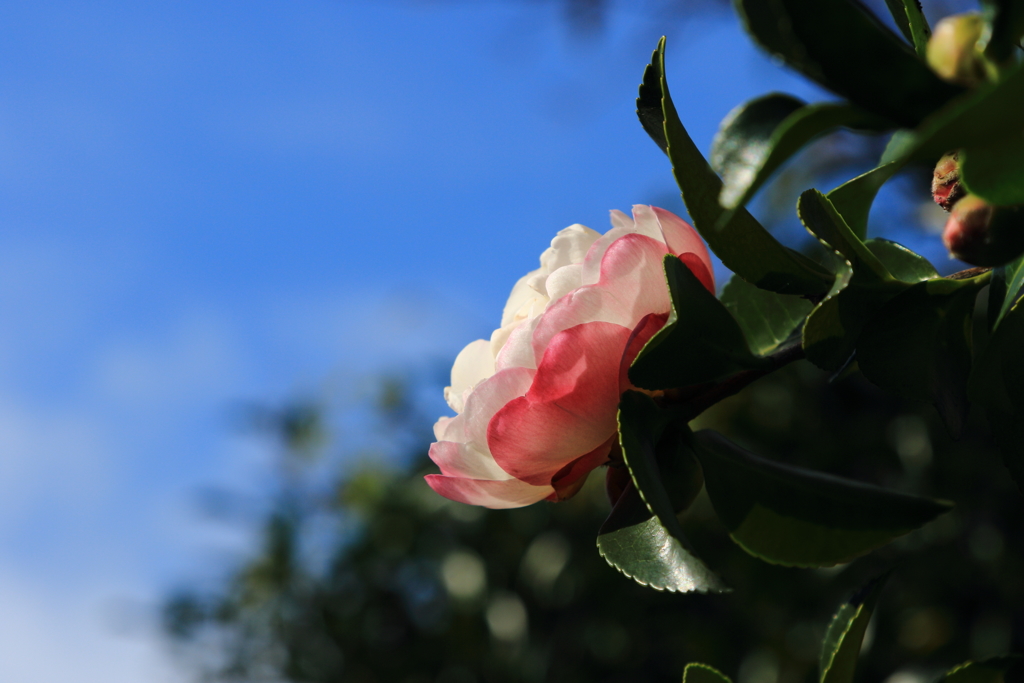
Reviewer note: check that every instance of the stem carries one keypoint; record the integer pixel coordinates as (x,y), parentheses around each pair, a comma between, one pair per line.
(693,405)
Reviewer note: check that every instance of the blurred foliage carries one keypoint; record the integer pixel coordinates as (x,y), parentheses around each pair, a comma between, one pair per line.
(418,588)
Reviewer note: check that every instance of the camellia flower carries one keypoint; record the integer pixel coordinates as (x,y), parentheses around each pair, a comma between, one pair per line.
(536,404)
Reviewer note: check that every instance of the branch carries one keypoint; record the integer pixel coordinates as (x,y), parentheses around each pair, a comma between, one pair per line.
(693,404)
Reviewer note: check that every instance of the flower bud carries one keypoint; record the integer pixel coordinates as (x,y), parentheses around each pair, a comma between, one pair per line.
(984,235)
(953,49)
(946,186)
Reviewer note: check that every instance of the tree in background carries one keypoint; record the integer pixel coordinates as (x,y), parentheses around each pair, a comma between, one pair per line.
(821,361)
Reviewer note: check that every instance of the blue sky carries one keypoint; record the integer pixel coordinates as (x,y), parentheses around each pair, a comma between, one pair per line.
(209,202)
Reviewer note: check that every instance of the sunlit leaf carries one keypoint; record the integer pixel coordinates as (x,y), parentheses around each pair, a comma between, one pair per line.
(797,517)
(759,136)
(700,342)
(702,673)
(911,22)
(839,44)
(743,244)
(642,537)
(853,199)
(840,648)
(996,670)
(766,318)
(904,265)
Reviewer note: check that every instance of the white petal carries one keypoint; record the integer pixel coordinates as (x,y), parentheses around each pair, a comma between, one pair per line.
(474,364)
(564,280)
(517,350)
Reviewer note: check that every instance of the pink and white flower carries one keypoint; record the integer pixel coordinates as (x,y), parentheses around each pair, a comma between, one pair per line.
(536,404)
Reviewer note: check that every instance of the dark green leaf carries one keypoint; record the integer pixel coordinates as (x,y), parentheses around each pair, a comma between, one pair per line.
(841,46)
(700,342)
(820,217)
(911,22)
(1006,289)
(853,199)
(702,673)
(743,244)
(766,318)
(1006,18)
(904,264)
(996,670)
(986,114)
(997,383)
(757,137)
(642,537)
(995,172)
(797,517)
(841,647)
(918,346)
(648,102)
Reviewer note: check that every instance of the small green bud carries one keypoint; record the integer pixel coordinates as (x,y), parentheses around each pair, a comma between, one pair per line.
(953,49)
(946,186)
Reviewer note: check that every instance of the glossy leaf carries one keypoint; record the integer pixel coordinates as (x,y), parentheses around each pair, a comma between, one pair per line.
(702,673)
(911,22)
(1007,291)
(987,114)
(839,44)
(797,517)
(700,342)
(918,346)
(853,199)
(743,244)
(1007,20)
(766,318)
(995,670)
(840,648)
(759,136)
(642,537)
(823,221)
(904,265)
(995,172)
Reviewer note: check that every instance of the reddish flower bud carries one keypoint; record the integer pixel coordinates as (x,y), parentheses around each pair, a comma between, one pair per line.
(966,233)
(984,235)
(946,186)
(953,49)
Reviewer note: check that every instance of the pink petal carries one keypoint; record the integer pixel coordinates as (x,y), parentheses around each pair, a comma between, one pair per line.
(462,460)
(510,493)
(570,408)
(683,239)
(632,285)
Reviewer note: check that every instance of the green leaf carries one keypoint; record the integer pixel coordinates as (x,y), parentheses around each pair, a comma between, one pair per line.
(853,199)
(822,220)
(796,517)
(642,537)
(766,318)
(912,23)
(997,383)
(985,115)
(1008,669)
(702,673)
(743,244)
(1006,17)
(862,285)
(918,346)
(759,136)
(904,264)
(844,48)
(841,646)
(1010,280)
(995,172)
(700,342)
